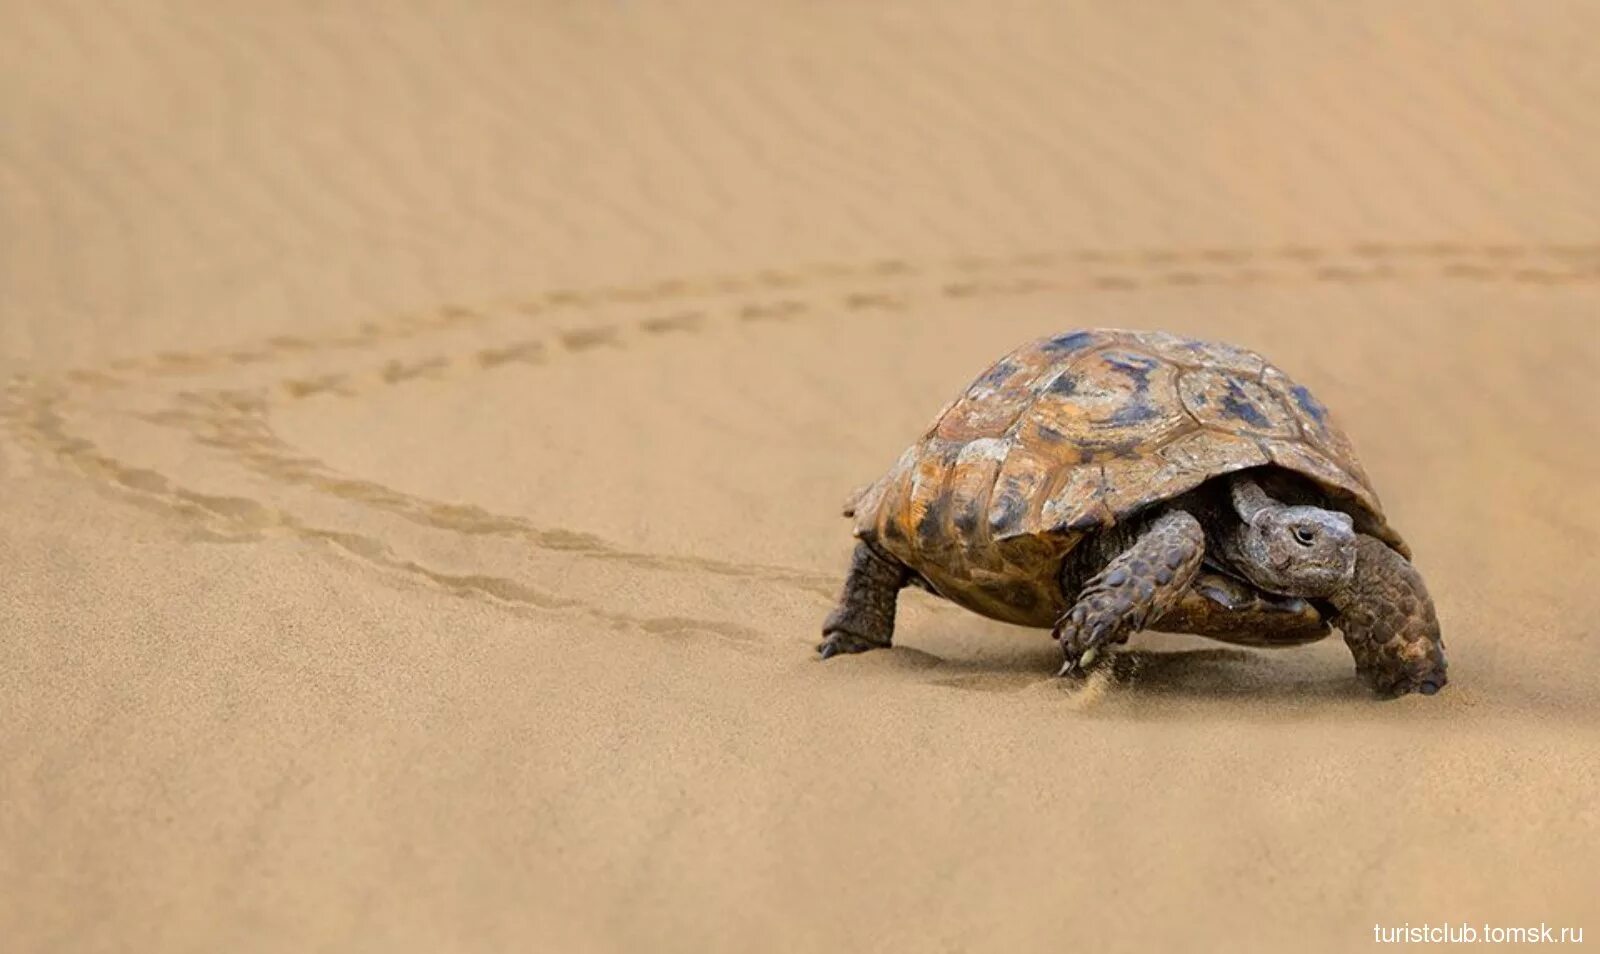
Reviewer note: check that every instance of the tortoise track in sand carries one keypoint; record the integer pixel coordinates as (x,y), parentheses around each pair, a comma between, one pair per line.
(1102,270)
(236,422)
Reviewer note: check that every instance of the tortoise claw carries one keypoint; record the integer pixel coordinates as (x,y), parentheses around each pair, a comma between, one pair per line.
(1069,632)
(1426,687)
(1078,667)
(839,642)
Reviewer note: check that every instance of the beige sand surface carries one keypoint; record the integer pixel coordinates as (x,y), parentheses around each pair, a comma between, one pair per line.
(425,431)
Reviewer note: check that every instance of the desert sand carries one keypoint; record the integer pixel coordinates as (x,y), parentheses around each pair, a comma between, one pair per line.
(425,427)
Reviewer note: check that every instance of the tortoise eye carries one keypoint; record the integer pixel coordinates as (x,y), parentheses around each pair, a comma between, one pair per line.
(1305,536)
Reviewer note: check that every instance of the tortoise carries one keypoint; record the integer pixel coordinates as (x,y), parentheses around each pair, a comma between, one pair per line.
(1102,482)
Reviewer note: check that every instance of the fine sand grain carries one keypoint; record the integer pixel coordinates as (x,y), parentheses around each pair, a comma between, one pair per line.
(424,428)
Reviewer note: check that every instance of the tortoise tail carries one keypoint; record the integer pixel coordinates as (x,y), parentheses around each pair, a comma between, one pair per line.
(849,509)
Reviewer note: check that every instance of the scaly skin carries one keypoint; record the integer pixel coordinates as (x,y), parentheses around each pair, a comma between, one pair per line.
(864,618)
(1141,584)
(1388,622)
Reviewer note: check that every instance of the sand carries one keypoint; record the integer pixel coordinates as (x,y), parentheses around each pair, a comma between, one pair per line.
(424,429)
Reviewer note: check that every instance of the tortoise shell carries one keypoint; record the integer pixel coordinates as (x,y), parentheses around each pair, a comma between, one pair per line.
(1069,435)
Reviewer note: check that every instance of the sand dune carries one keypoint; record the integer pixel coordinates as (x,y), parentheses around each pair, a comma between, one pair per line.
(424,432)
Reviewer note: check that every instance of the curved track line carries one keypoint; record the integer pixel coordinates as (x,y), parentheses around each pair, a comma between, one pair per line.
(36,419)
(237,422)
(1175,265)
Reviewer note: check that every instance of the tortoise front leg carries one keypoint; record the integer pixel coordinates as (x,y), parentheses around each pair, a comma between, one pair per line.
(1141,584)
(1233,611)
(1388,622)
(864,618)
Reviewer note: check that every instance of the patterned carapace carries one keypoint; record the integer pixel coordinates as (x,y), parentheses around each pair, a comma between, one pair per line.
(1070,435)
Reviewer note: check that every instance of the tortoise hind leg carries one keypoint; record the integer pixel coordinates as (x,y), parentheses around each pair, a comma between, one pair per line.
(1140,585)
(864,618)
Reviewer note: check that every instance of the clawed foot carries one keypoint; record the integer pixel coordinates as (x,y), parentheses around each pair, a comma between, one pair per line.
(1397,668)
(1389,624)
(1392,684)
(1388,689)
(1083,638)
(839,641)
(1142,583)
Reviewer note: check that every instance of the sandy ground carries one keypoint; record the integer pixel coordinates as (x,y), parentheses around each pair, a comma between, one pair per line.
(425,430)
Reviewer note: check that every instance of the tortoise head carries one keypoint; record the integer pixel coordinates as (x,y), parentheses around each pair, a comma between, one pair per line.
(1298,551)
